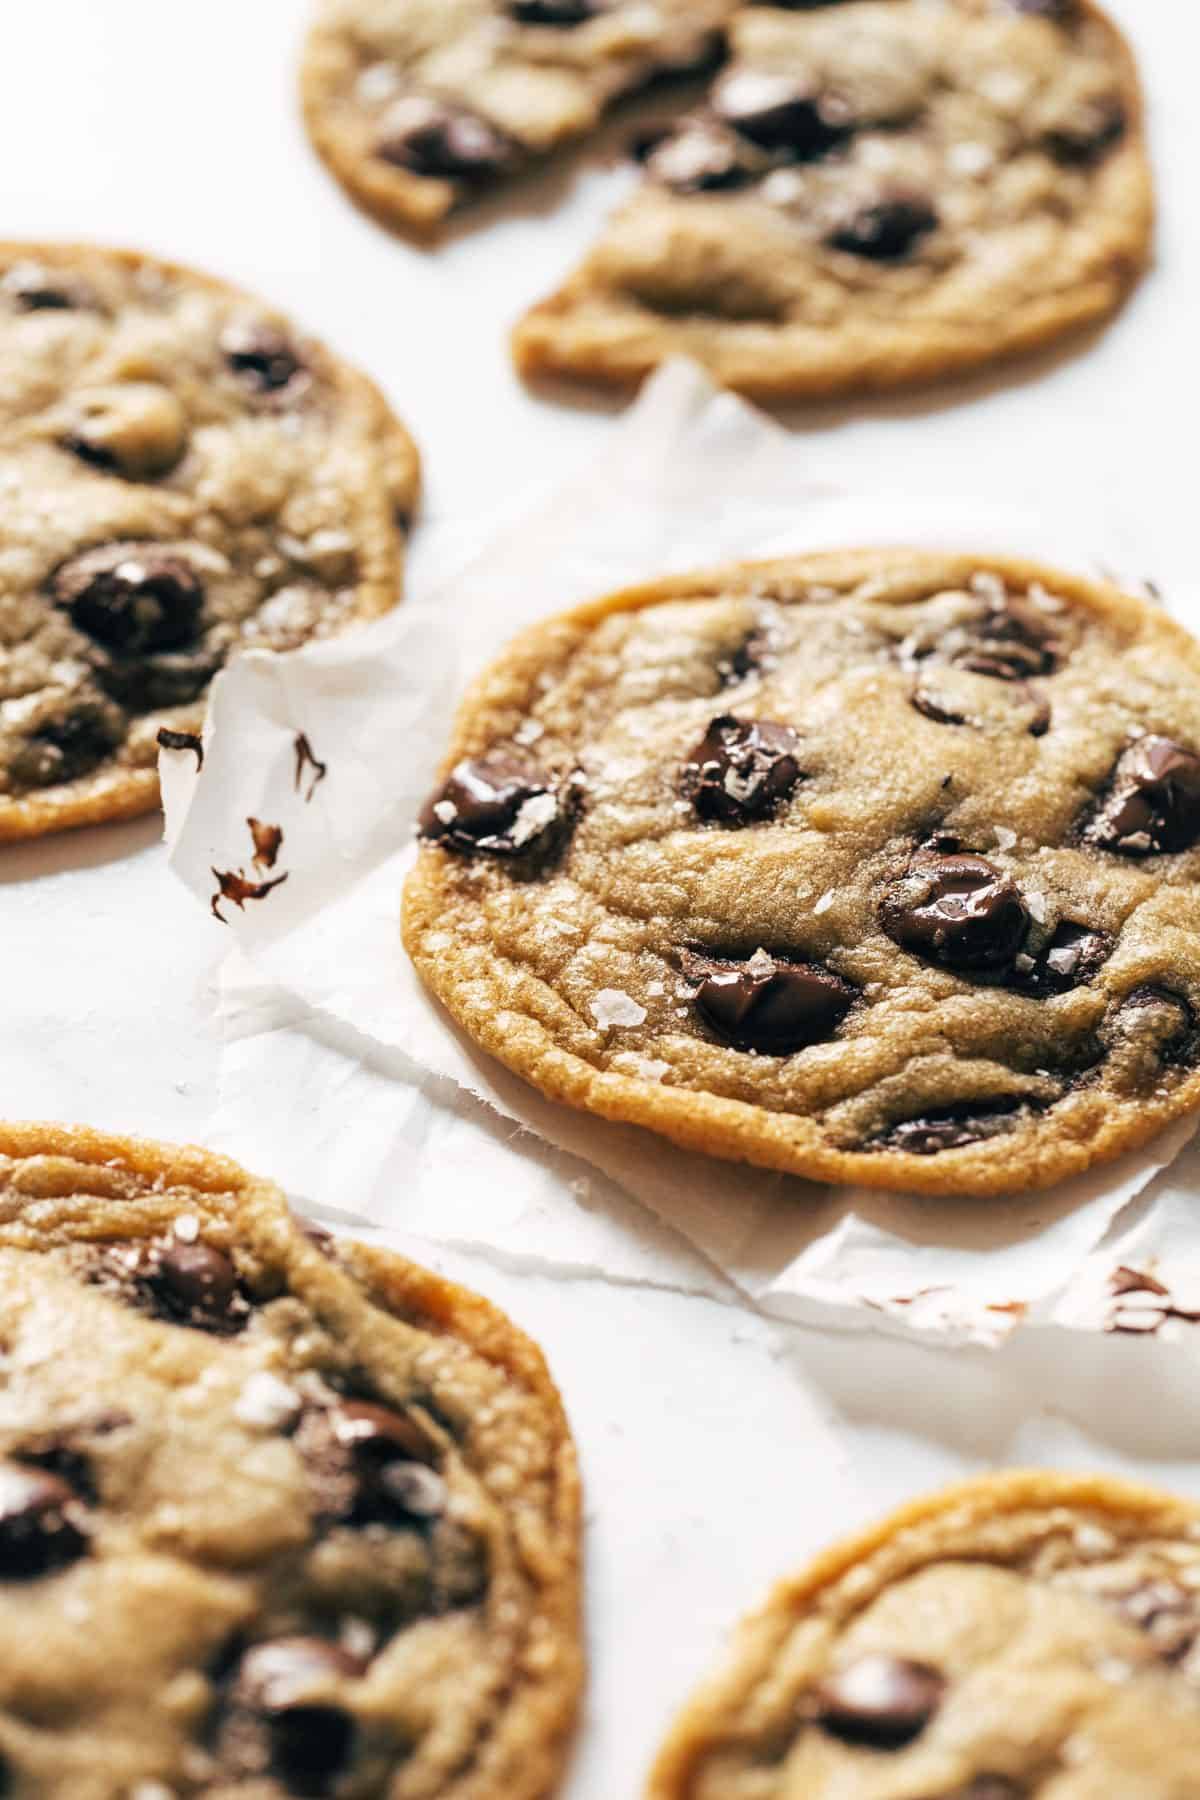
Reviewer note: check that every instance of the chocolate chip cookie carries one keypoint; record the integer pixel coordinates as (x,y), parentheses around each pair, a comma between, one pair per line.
(181,474)
(278,1515)
(1022,1635)
(420,105)
(877,192)
(878,867)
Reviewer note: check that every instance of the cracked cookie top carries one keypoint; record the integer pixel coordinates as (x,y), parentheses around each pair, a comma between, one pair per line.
(182,474)
(1021,1636)
(876,867)
(278,1515)
(419,105)
(875,192)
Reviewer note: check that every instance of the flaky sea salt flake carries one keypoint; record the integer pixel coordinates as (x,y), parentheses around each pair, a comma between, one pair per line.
(613,1007)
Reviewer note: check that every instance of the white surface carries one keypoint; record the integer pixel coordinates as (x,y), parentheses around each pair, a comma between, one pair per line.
(174,127)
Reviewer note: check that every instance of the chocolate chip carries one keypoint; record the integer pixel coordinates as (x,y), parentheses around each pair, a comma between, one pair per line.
(1163,1021)
(1152,805)
(38,1532)
(886,232)
(132,598)
(741,770)
(66,748)
(949,694)
(950,1127)
(768,1004)
(881,1702)
(774,114)
(432,138)
(960,911)
(1165,1612)
(564,13)
(696,159)
(1086,139)
(163,679)
(387,1452)
(192,1284)
(1012,640)
(1071,957)
(33,288)
(498,804)
(261,355)
(309,1740)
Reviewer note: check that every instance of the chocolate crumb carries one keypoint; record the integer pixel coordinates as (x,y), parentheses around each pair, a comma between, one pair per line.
(267,841)
(232,885)
(306,759)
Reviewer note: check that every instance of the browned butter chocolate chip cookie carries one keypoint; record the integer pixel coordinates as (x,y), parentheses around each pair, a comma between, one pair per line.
(876,192)
(419,105)
(1024,1635)
(880,867)
(181,474)
(279,1515)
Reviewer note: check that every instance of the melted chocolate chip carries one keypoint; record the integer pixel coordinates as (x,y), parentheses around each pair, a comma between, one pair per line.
(498,804)
(771,112)
(1169,1027)
(310,1741)
(433,138)
(261,355)
(560,13)
(1071,957)
(38,1532)
(192,1284)
(957,910)
(1012,641)
(387,1452)
(134,600)
(886,232)
(1087,139)
(66,748)
(33,288)
(698,158)
(1152,805)
(163,679)
(882,1702)
(166,739)
(768,1004)
(741,770)
(950,1128)
(949,694)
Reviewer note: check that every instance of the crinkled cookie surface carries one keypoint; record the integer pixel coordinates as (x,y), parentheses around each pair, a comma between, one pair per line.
(876,192)
(278,1516)
(418,105)
(1026,1637)
(879,867)
(181,474)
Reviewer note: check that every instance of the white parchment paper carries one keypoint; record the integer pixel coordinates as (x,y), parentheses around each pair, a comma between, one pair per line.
(341,1074)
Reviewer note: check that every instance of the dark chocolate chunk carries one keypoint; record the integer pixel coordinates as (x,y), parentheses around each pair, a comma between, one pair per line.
(1073,954)
(162,679)
(388,1453)
(741,770)
(950,1128)
(886,232)
(278,1686)
(1013,640)
(261,355)
(564,13)
(433,138)
(772,112)
(64,749)
(1152,805)
(698,158)
(498,804)
(769,1004)
(1091,136)
(131,598)
(1164,1020)
(960,911)
(192,1284)
(881,1702)
(166,739)
(38,1522)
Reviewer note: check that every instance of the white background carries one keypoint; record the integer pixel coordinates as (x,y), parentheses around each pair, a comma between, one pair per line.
(718,1450)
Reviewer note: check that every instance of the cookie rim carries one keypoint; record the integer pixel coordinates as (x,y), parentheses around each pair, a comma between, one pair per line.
(837,364)
(736,1130)
(978,1499)
(116,793)
(418,1296)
